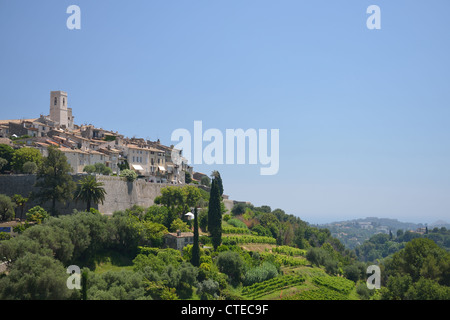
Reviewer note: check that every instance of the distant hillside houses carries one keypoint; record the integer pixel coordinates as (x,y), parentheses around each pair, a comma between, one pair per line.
(87,145)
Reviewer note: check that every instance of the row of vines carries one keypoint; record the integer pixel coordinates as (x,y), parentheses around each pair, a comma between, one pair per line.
(263,288)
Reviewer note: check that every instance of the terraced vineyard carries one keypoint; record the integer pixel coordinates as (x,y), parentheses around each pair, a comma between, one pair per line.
(263,288)
(229,240)
(290,251)
(335,283)
(322,293)
(235,230)
(286,260)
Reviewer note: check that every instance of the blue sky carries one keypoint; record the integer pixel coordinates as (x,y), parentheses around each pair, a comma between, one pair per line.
(363,114)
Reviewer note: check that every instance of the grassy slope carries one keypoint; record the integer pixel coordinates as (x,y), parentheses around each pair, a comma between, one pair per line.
(308,272)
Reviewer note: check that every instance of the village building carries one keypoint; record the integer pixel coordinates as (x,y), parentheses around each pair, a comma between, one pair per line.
(87,145)
(178,240)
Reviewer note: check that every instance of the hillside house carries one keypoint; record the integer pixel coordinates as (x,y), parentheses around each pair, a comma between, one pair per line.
(178,240)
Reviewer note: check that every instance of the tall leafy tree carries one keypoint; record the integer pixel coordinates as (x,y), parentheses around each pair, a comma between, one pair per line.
(215,215)
(53,179)
(24,155)
(6,208)
(90,191)
(195,260)
(20,201)
(6,152)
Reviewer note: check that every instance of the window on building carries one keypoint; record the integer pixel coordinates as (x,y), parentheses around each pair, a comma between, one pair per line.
(55,101)
(64,101)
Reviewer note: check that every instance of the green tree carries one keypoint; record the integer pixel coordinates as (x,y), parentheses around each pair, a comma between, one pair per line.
(6,152)
(231,263)
(3,164)
(179,225)
(203,220)
(37,214)
(6,208)
(101,168)
(196,248)
(216,175)
(421,257)
(173,198)
(191,196)
(215,215)
(29,167)
(35,277)
(53,179)
(154,233)
(123,165)
(90,168)
(20,202)
(205,181)
(187,177)
(24,155)
(90,191)
(130,175)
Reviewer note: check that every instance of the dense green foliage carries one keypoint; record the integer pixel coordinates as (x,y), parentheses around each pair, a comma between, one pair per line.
(421,270)
(54,182)
(6,208)
(257,253)
(25,155)
(215,214)
(90,191)
(265,287)
(382,245)
(98,168)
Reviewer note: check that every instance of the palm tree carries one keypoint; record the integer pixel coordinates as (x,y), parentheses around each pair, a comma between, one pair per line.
(90,191)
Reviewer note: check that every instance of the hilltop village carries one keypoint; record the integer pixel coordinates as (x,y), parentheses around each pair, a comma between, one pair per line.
(88,145)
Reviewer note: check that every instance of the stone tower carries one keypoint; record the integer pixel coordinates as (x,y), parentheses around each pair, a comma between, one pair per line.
(59,112)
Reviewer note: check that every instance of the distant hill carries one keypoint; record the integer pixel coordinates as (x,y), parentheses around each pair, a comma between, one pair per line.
(354,232)
(440,224)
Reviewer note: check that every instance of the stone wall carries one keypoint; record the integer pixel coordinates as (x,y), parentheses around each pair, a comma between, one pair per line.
(23,184)
(120,194)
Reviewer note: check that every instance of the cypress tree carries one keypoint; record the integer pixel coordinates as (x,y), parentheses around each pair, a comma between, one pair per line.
(195,260)
(215,215)
(216,175)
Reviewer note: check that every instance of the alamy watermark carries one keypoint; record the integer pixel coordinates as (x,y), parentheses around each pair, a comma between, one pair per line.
(74,280)
(222,149)
(374,280)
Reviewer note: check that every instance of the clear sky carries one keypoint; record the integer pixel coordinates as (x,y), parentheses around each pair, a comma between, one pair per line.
(363,114)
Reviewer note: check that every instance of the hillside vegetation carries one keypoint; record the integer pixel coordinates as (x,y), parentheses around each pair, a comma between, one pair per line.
(262,254)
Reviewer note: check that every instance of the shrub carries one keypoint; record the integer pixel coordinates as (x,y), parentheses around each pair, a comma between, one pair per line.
(130,175)
(29,167)
(37,214)
(232,240)
(208,289)
(260,273)
(230,263)
(237,223)
(6,208)
(234,230)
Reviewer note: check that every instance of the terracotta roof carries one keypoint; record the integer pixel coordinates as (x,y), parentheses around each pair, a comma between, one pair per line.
(182,234)
(64,149)
(17,121)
